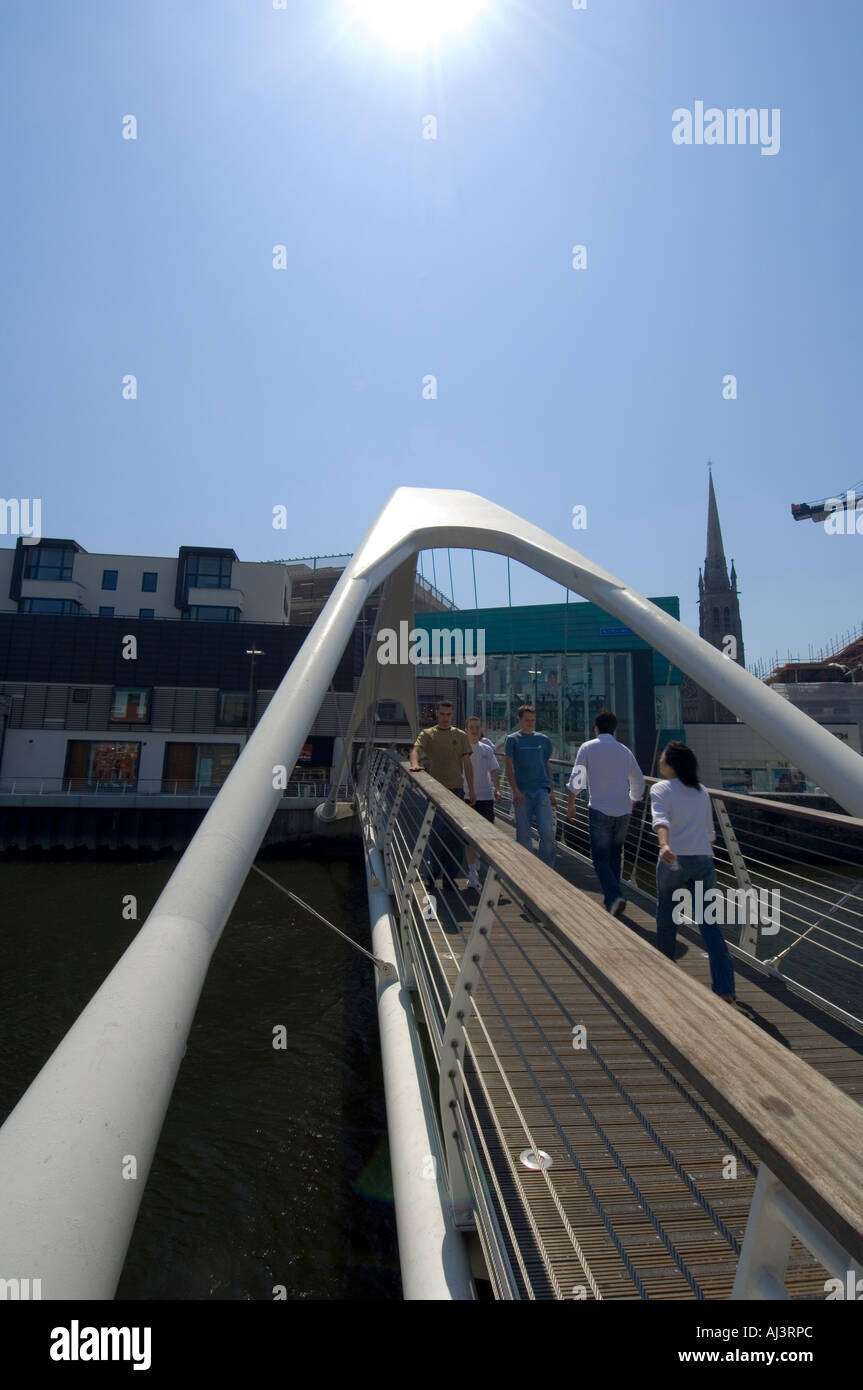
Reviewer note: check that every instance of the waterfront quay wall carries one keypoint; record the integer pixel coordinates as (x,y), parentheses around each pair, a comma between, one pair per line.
(115,822)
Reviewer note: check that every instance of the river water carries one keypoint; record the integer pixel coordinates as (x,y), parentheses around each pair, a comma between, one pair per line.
(272,1168)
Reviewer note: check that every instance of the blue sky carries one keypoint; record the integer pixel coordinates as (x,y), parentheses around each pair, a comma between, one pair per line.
(406,256)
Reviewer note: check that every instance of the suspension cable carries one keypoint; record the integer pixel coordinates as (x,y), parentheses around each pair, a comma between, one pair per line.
(384,966)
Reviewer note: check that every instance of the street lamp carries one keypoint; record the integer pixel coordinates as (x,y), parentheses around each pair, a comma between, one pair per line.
(252,652)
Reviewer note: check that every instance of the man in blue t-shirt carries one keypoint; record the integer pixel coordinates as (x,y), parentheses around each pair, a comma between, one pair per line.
(528,770)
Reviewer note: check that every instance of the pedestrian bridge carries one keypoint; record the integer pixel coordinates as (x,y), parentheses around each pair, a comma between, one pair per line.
(609,1128)
(571,1115)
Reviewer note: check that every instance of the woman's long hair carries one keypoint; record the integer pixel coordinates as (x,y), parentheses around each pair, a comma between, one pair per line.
(683,761)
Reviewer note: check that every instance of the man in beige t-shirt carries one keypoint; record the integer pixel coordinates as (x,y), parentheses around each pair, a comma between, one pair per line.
(449,756)
(448,751)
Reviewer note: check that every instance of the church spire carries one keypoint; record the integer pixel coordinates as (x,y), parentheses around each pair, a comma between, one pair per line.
(718,621)
(715,568)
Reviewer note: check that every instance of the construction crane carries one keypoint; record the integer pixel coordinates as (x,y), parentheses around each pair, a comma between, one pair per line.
(852,501)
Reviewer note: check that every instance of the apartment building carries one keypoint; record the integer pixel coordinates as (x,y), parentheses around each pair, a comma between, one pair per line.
(145,673)
(199,584)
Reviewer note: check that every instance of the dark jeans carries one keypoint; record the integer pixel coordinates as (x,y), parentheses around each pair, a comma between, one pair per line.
(692,867)
(607,834)
(445,848)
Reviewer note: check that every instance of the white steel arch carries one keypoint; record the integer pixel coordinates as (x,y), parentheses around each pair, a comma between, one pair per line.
(66,1214)
(422,518)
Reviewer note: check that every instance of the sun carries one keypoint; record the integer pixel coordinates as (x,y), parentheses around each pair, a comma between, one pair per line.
(418,24)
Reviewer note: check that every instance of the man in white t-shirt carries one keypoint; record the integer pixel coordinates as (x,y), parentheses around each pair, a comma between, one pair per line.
(615,781)
(486,782)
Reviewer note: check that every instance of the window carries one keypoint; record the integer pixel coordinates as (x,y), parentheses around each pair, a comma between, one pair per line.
(93,766)
(130,706)
(716,617)
(109,579)
(209,572)
(214,762)
(568,690)
(391,712)
(149,580)
(304,771)
(197,767)
(146,612)
(233,707)
(49,605)
(113,763)
(668,714)
(741,779)
(200,613)
(48,562)
(727,619)
(105,611)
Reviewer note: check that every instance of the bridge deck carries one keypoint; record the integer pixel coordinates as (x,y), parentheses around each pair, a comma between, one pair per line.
(638,1158)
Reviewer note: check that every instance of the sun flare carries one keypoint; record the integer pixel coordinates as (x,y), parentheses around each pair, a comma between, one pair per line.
(418,24)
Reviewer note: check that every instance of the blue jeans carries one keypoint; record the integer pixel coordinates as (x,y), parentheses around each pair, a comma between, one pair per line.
(607,834)
(536,806)
(692,868)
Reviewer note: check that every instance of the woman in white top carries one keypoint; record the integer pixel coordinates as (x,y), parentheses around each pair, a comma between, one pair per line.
(683,821)
(486,781)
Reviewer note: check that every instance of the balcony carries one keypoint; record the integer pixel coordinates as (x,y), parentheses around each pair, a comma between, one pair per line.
(68,589)
(145,791)
(216,598)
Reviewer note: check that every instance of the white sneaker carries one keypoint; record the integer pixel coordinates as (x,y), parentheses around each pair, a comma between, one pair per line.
(617,907)
(429,908)
(472,877)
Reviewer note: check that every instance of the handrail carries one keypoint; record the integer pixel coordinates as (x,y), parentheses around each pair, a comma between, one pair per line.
(143,787)
(161,617)
(814,866)
(802,1127)
(420,578)
(744,799)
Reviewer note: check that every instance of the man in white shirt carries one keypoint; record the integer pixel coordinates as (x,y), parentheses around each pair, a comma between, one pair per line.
(486,782)
(615,781)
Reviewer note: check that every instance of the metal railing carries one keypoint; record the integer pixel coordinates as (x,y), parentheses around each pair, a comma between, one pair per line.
(239,621)
(766,666)
(144,786)
(436,593)
(312,563)
(457,953)
(811,860)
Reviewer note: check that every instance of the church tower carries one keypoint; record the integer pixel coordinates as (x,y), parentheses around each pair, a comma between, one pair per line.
(718,620)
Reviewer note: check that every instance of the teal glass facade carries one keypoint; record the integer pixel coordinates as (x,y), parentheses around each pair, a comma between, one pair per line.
(567,691)
(570,660)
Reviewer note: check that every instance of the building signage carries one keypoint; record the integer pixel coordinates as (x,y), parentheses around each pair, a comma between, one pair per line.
(848,733)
